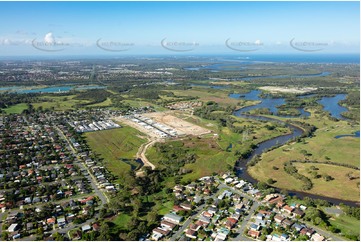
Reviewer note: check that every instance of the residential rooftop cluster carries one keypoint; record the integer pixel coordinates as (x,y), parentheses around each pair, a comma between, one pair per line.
(219,208)
(49,217)
(184,105)
(36,165)
(281,222)
(48,176)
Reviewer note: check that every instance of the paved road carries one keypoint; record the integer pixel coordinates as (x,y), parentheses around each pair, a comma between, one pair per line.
(103,197)
(325,233)
(244,223)
(223,185)
(246,219)
(175,236)
(64,230)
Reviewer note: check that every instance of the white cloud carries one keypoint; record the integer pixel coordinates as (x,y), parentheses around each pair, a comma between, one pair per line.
(49,38)
(7,41)
(258,42)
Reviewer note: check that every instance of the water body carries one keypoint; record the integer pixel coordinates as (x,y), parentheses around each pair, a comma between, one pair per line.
(299,58)
(356,135)
(330,104)
(251,96)
(54,89)
(210,86)
(269,103)
(218,67)
(241,165)
(47,90)
(134,164)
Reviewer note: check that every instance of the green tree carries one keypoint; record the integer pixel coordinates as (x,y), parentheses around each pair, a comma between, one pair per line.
(58,237)
(104,232)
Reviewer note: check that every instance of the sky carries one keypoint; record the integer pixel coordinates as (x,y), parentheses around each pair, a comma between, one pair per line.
(120,28)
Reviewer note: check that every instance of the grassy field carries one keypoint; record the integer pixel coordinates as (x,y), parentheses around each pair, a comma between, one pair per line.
(209,94)
(341,186)
(121,221)
(346,224)
(106,103)
(216,153)
(116,144)
(60,103)
(321,147)
(210,157)
(17,108)
(141,103)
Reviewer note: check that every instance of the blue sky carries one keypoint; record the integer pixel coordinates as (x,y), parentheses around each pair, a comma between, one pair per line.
(192,27)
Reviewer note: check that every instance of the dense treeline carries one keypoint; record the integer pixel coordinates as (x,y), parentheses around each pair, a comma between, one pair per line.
(308,129)
(317,216)
(352,211)
(292,170)
(95,95)
(328,162)
(174,157)
(212,111)
(352,99)
(8,99)
(353,102)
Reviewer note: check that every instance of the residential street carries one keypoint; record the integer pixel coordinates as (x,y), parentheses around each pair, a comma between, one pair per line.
(104,199)
(246,219)
(244,223)
(186,223)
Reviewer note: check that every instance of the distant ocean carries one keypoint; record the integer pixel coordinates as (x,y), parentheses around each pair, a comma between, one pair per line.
(244,58)
(302,58)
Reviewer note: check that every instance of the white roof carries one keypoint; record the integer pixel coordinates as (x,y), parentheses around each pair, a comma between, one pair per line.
(85,227)
(61,220)
(12,227)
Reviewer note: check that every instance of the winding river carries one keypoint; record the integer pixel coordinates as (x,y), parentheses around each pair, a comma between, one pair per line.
(241,165)
(330,104)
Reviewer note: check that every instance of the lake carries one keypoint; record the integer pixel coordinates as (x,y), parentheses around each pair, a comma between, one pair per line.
(269,103)
(55,89)
(330,104)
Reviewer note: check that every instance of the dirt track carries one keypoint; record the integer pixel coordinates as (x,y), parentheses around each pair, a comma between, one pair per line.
(141,153)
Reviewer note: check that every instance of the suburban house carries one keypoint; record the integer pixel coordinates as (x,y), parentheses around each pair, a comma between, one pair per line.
(278,219)
(173,218)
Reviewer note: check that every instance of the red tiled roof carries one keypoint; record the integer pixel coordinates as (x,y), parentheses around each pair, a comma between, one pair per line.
(254,234)
(87,199)
(232,220)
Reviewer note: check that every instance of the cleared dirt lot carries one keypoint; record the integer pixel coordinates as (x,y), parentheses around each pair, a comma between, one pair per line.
(183,127)
(288,89)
